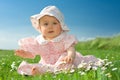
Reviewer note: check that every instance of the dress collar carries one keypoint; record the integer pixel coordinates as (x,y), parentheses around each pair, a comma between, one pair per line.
(41,40)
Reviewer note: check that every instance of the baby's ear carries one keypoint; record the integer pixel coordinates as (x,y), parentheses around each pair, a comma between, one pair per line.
(39,28)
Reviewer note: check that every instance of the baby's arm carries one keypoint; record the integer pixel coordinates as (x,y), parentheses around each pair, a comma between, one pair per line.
(71,55)
(24,54)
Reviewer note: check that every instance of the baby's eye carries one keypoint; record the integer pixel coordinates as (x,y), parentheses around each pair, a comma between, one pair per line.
(54,23)
(45,24)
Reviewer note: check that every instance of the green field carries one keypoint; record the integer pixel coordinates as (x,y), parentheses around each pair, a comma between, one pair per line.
(104,48)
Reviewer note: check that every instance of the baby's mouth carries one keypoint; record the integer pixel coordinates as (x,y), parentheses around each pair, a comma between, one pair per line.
(50,31)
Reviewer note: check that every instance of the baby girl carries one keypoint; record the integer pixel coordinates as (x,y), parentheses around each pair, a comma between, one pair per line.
(54,45)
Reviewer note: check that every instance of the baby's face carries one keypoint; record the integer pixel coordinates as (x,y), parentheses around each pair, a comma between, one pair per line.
(50,27)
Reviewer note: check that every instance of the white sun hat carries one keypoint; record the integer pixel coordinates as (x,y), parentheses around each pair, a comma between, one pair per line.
(51,11)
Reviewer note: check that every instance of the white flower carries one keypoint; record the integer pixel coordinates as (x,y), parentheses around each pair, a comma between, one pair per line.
(103,68)
(114,69)
(108,75)
(108,63)
(100,62)
(72,70)
(94,67)
(88,68)
(105,59)
(82,65)
(82,73)
(13,66)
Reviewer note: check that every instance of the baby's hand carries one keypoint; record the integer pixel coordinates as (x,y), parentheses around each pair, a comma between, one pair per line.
(68,59)
(20,53)
(24,54)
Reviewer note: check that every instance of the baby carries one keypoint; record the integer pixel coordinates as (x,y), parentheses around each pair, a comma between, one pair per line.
(54,45)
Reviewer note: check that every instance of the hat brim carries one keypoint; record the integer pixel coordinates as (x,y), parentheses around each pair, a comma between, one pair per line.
(37,17)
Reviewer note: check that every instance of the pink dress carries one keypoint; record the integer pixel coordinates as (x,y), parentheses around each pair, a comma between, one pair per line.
(51,52)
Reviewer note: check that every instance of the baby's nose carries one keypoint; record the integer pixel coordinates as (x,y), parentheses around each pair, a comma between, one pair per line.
(50,26)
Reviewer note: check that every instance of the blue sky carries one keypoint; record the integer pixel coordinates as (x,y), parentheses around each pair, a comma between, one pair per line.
(86,19)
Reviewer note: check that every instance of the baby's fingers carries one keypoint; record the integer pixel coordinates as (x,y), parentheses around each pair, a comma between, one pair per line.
(17,52)
(69,60)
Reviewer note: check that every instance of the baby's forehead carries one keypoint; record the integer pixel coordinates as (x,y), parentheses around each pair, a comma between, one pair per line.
(47,18)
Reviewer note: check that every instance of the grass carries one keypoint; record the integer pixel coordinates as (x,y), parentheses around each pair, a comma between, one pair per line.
(111,52)
(7,58)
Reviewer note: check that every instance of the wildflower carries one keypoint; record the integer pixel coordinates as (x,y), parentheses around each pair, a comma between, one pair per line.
(103,68)
(114,69)
(82,73)
(94,67)
(72,70)
(108,75)
(82,65)
(13,66)
(88,68)
(105,59)
(108,63)
(100,62)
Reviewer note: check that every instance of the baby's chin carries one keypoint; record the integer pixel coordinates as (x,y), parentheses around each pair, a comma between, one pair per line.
(51,35)
(49,38)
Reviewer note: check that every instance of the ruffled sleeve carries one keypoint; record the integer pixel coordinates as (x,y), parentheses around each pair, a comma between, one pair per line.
(29,44)
(69,41)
